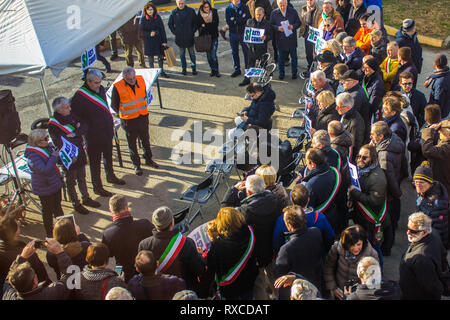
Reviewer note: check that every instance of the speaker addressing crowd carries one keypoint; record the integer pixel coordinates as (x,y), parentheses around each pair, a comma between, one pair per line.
(322,237)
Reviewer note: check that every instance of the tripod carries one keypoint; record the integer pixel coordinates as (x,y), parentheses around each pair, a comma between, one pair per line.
(21,196)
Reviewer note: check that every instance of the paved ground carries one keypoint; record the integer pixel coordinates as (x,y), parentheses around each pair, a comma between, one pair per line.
(186,99)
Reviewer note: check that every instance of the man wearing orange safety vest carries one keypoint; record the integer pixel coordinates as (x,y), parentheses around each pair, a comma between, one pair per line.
(129,100)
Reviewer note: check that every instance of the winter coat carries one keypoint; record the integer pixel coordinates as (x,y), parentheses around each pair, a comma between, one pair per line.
(314,20)
(352,26)
(46,178)
(122,238)
(188,265)
(338,270)
(313,219)
(99,120)
(361,104)
(407,67)
(284,43)
(354,125)
(354,62)
(183,24)
(440,90)
(342,144)
(280,192)
(328,70)
(325,116)
(389,290)
(418,102)
(389,67)
(379,49)
(390,152)
(75,250)
(420,267)
(129,32)
(256,50)
(224,255)
(261,110)
(265,4)
(260,210)
(56,133)
(321,183)
(44,291)
(374,85)
(338,22)
(94,280)
(344,12)
(236,18)
(157,287)
(302,254)
(362,38)
(397,126)
(332,157)
(211,28)
(152,45)
(438,155)
(313,111)
(434,203)
(405,40)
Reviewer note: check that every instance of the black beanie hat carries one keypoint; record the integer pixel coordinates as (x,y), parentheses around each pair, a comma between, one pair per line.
(373,64)
(424,173)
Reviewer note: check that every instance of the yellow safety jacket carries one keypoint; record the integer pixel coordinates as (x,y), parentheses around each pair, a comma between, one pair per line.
(132,104)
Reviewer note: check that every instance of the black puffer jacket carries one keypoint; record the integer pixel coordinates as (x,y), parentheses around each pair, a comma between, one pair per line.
(389,290)
(374,85)
(390,152)
(379,49)
(325,116)
(354,124)
(342,144)
(261,110)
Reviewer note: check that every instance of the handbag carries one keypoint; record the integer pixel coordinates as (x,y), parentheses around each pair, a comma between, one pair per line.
(170,56)
(203,43)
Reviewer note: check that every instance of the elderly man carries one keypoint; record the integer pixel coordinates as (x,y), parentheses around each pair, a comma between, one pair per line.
(352,121)
(328,11)
(390,150)
(378,45)
(407,37)
(183,24)
(389,66)
(129,100)
(89,104)
(352,55)
(321,141)
(286,45)
(432,199)
(320,84)
(438,153)
(64,124)
(423,261)
(356,11)
(310,13)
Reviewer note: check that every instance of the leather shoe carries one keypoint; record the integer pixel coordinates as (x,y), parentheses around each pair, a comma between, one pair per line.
(222,33)
(236,73)
(294,76)
(115,180)
(92,203)
(152,163)
(281,77)
(184,72)
(138,171)
(80,209)
(244,82)
(103,193)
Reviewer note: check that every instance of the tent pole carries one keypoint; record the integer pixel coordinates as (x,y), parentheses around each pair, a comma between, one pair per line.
(44,92)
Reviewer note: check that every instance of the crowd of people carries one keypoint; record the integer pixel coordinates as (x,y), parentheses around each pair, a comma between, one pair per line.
(323,239)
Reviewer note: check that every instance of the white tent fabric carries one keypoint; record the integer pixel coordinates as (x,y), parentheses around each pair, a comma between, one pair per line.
(36,34)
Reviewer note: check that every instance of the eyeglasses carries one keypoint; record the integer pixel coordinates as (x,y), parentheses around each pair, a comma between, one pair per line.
(415,231)
(408,84)
(364,158)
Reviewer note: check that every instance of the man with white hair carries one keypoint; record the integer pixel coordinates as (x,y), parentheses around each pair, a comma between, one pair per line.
(352,55)
(423,261)
(89,104)
(320,84)
(119,293)
(64,124)
(129,100)
(260,208)
(321,140)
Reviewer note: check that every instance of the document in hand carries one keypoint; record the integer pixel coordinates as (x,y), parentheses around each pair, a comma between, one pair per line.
(285,25)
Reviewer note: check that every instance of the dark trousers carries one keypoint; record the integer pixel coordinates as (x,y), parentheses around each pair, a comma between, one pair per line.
(76,176)
(137,128)
(309,50)
(282,56)
(151,62)
(102,58)
(113,43)
(235,41)
(95,153)
(393,207)
(51,207)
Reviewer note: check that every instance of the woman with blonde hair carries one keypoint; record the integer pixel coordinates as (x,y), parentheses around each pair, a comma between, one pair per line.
(327,111)
(231,256)
(334,46)
(269,175)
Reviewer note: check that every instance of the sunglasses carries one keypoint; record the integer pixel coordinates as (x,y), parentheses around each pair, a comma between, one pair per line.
(364,158)
(414,231)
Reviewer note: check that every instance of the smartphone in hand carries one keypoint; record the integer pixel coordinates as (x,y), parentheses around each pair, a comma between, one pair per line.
(118,270)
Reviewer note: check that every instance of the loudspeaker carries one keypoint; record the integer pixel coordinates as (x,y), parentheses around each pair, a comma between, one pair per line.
(9,117)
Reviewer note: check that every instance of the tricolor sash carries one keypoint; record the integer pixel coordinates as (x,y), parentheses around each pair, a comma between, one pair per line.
(170,254)
(339,159)
(388,66)
(45,153)
(67,129)
(94,98)
(236,270)
(333,194)
(375,218)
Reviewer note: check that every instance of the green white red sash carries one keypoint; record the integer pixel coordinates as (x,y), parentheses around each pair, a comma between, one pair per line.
(67,128)
(375,218)
(170,254)
(350,154)
(94,98)
(388,65)
(334,192)
(43,153)
(236,270)
(339,159)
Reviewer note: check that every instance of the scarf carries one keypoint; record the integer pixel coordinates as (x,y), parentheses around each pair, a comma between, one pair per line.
(207,16)
(150,17)
(324,16)
(350,257)
(121,215)
(363,171)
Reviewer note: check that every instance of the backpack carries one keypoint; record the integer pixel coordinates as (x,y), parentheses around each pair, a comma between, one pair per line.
(9,117)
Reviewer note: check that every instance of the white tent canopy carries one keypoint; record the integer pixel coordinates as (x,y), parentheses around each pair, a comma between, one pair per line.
(36,34)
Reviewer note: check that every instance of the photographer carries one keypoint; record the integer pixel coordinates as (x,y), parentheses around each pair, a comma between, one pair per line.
(23,282)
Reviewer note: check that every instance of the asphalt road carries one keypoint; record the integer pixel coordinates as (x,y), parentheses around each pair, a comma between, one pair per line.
(186,100)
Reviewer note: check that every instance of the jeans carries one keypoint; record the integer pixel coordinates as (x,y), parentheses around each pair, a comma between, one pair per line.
(282,55)
(183,57)
(51,207)
(235,40)
(74,177)
(212,55)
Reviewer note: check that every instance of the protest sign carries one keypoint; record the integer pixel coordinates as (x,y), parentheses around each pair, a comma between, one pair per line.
(308,125)
(253,35)
(200,237)
(253,72)
(68,153)
(354,176)
(320,44)
(314,34)
(88,58)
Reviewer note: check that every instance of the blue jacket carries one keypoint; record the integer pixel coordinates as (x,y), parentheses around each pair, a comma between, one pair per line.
(45,176)
(405,40)
(440,91)
(261,110)
(434,203)
(313,219)
(236,17)
(183,24)
(353,62)
(397,126)
(418,103)
(285,43)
